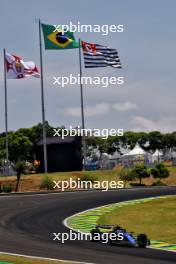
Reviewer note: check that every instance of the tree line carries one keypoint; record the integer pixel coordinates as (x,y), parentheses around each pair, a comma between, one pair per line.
(140,171)
(22,142)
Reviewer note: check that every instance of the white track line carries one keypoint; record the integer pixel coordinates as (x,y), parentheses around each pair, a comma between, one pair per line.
(50,259)
(65,221)
(23,194)
(170,250)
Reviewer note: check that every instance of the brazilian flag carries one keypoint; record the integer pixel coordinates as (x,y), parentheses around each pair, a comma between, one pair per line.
(58,39)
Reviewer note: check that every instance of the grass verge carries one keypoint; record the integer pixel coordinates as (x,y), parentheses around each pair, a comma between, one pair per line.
(25,260)
(156,218)
(33,182)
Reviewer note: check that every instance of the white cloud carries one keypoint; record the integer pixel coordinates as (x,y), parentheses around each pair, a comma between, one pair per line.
(98,109)
(144,124)
(125,106)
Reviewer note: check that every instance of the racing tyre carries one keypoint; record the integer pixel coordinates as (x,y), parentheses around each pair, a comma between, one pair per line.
(149,243)
(142,240)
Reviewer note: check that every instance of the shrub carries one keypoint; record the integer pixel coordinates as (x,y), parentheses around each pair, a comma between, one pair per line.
(126,175)
(88,177)
(7,188)
(159,183)
(160,171)
(137,184)
(47,183)
(20,167)
(141,171)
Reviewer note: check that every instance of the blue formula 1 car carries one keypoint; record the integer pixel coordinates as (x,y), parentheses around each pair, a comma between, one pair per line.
(116,235)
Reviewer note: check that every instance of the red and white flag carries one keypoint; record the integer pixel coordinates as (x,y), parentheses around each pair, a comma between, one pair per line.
(96,55)
(17,68)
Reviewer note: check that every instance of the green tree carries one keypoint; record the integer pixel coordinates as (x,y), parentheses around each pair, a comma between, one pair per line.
(155,140)
(20,167)
(129,139)
(126,175)
(98,141)
(140,171)
(169,140)
(160,171)
(20,147)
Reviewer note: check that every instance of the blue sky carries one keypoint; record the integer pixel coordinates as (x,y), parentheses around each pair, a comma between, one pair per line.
(147,50)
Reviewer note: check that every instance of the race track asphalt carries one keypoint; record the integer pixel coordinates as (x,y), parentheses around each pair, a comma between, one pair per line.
(27,224)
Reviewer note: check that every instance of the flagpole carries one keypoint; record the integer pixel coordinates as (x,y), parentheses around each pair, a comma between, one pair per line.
(82,106)
(6,113)
(43,102)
